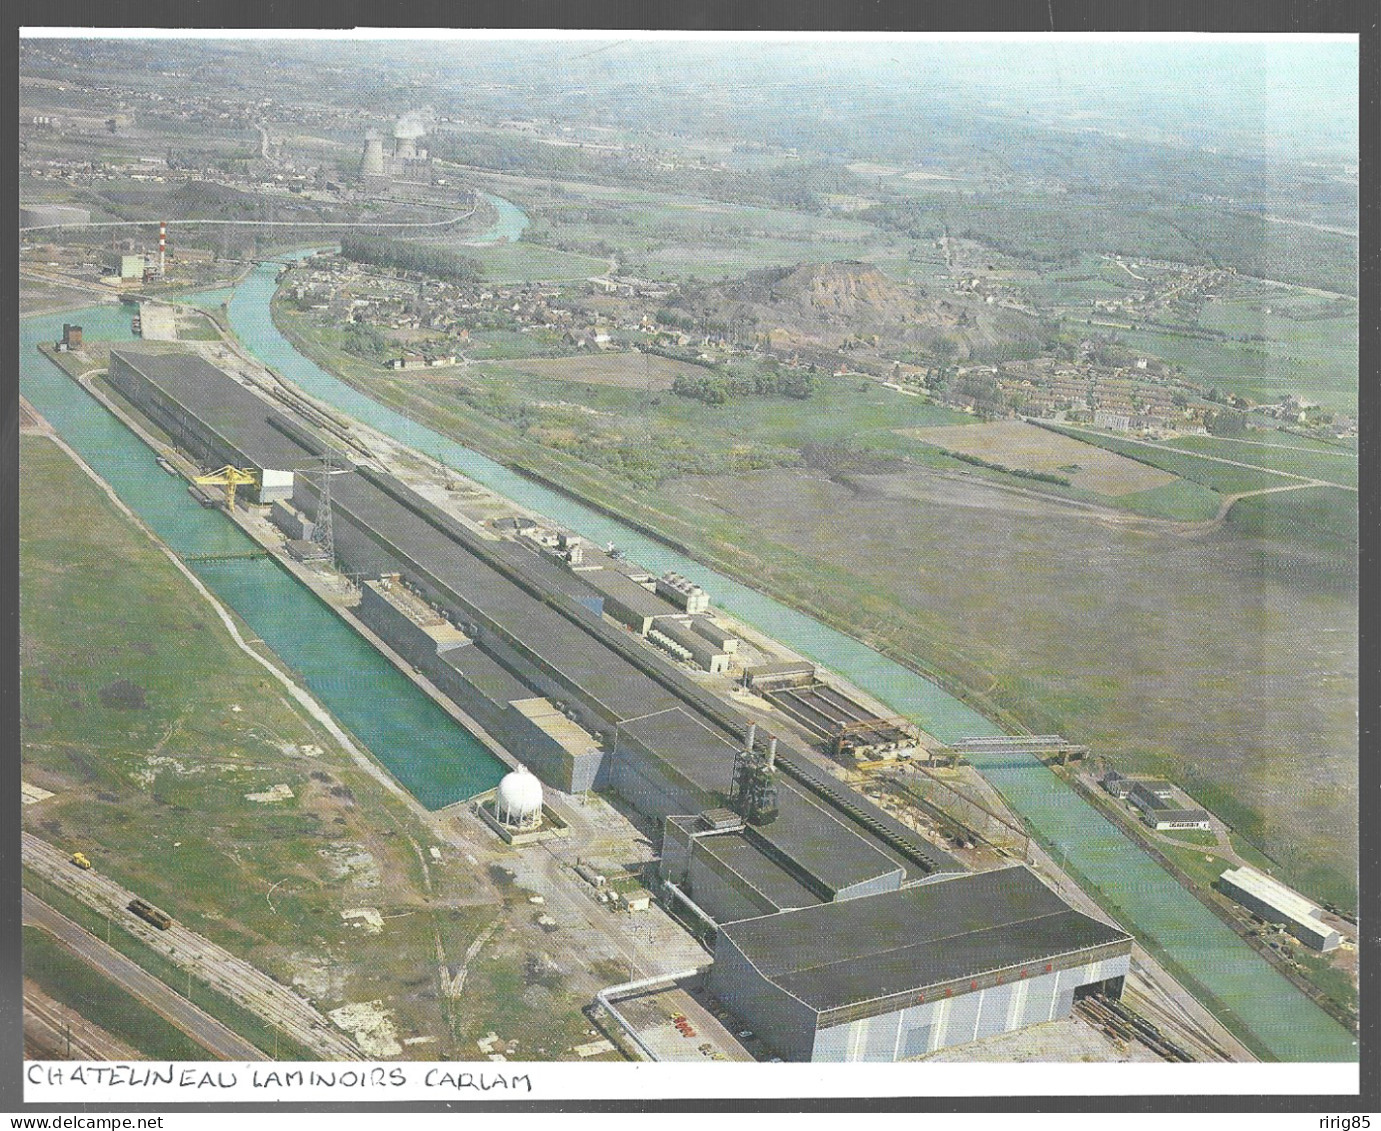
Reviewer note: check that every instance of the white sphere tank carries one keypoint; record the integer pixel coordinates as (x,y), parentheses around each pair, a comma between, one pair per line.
(518,802)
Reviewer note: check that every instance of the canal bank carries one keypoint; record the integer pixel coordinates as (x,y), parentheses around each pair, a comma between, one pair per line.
(1281,1020)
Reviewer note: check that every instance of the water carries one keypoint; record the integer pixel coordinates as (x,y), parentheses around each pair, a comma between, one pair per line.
(510,225)
(1162,912)
(425,750)
(1150,901)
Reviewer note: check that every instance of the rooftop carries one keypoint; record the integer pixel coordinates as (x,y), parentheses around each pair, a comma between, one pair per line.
(839,954)
(221,403)
(1276,894)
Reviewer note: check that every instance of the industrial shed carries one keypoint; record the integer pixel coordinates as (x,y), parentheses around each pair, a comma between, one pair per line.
(1275,903)
(894,976)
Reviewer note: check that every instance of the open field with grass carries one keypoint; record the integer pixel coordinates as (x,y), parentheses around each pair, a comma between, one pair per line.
(1331,464)
(150,727)
(644,371)
(1222,477)
(529,261)
(1014,443)
(84,990)
(666,235)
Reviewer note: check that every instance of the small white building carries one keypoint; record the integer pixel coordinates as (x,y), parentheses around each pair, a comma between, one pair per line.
(1276,903)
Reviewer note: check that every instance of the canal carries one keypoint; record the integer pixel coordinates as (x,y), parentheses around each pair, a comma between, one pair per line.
(421,746)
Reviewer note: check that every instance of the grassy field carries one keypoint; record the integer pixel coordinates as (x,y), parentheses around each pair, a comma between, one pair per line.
(1014,443)
(1180,500)
(1261,371)
(666,235)
(527,261)
(643,371)
(150,727)
(1332,465)
(84,990)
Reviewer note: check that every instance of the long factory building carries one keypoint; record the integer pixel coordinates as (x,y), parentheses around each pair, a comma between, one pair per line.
(522,646)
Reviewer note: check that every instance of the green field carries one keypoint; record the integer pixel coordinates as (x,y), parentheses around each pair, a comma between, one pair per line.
(1332,465)
(527,261)
(84,990)
(1183,500)
(670,236)
(1263,372)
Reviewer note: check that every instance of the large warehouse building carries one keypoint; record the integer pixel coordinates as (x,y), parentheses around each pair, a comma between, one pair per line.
(754,836)
(897,975)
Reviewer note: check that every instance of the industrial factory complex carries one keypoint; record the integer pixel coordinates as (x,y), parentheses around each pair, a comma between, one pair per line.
(839,933)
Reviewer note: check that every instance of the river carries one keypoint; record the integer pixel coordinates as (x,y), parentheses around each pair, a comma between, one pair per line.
(1150,902)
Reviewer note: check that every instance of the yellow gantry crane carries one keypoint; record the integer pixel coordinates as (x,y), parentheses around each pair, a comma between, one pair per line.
(230,478)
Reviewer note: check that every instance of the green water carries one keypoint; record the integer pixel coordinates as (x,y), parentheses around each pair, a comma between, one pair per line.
(1235,981)
(425,750)
(510,225)
(1146,899)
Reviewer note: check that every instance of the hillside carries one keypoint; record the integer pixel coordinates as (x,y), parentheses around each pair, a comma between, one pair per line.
(831,303)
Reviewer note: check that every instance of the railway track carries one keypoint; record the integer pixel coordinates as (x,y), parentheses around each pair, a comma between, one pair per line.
(1126,1025)
(231,976)
(53,1031)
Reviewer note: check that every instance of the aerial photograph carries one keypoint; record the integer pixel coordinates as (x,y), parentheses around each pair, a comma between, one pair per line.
(671,548)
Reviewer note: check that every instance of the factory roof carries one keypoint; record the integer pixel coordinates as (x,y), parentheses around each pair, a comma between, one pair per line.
(569,735)
(840,954)
(823,845)
(562,645)
(229,409)
(616,586)
(758,870)
(683,742)
(519,598)
(495,682)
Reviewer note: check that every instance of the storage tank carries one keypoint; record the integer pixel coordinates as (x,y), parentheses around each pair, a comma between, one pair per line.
(518,802)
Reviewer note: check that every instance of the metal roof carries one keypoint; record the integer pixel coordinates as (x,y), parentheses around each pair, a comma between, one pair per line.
(759,871)
(495,682)
(1276,895)
(226,407)
(840,954)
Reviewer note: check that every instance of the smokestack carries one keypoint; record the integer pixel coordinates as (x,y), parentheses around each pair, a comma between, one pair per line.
(772,752)
(162,247)
(752,736)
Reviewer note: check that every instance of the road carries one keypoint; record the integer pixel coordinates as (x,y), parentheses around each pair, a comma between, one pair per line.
(171,1006)
(241,982)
